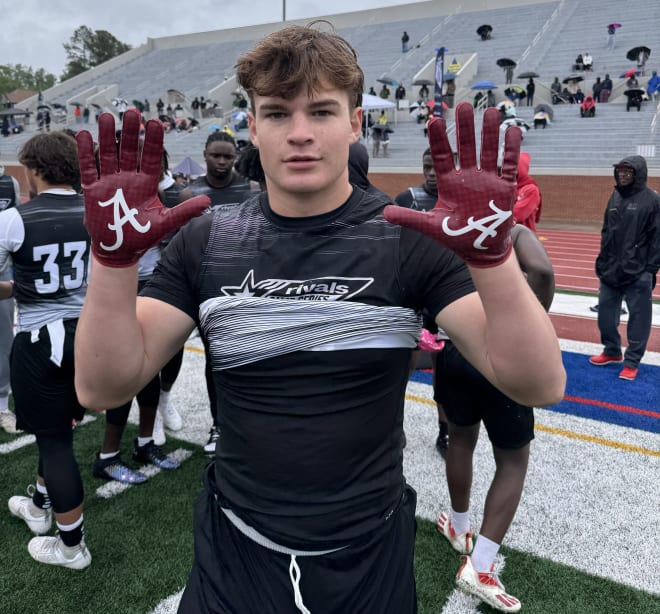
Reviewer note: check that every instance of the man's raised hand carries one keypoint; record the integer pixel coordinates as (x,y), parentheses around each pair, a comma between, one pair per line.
(123,214)
(473,216)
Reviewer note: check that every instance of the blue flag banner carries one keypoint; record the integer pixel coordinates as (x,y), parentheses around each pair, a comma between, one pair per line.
(439,73)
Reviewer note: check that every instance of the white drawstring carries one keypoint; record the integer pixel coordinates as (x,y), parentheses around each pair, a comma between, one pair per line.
(294,574)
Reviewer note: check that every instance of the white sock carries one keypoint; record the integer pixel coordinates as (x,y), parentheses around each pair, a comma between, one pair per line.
(460,521)
(70,527)
(484,553)
(143,441)
(107,455)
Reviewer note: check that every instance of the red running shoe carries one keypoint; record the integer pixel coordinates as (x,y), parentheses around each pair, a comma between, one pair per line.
(605,359)
(629,373)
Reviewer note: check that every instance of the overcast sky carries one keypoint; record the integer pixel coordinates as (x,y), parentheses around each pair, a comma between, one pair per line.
(33,31)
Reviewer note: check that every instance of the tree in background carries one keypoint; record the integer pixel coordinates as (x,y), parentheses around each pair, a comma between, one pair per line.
(87,49)
(14,77)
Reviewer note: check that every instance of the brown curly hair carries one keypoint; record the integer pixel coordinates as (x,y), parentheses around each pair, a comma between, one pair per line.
(297,57)
(54,156)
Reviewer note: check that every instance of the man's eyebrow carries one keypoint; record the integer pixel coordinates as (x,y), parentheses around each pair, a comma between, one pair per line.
(278,106)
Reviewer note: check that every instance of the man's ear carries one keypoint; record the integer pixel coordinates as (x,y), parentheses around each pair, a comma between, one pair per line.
(252,129)
(357,117)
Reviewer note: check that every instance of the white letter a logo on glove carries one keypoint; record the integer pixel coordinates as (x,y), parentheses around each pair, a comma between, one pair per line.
(128,217)
(495,220)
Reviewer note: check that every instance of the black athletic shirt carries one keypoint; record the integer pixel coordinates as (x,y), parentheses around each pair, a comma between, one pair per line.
(236,192)
(311,323)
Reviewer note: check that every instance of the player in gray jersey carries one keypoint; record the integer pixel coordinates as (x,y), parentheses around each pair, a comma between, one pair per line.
(48,246)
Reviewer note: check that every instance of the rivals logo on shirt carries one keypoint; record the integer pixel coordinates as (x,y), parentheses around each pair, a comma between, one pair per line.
(315,289)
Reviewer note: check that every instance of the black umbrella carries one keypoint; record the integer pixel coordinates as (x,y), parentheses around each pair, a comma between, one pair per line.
(633,53)
(388,81)
(14,111)
(530,74)
(75,104)
(635,92)
(484,30)
(96,106)
(57,105)
(423,82)
(504,62)
(41,107)
(575,78)
(380,128)
(545,108)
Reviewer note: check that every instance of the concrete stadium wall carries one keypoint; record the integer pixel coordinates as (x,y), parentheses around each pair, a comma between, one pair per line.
(569,201)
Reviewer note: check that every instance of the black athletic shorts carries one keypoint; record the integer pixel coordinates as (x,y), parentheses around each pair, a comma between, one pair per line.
(44,394)
(234,574)
(468,397)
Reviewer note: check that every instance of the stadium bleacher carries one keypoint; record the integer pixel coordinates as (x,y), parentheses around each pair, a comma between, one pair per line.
(544,37)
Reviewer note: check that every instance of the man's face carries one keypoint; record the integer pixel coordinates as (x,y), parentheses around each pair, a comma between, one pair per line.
(220,157)
(304,144)
(430,181)
(626,175)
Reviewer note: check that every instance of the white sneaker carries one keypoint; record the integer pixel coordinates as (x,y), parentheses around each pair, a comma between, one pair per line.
(171,416)
(485,586)
(159,431)
(461,542)
(52,551)
(37,519)
(8,422)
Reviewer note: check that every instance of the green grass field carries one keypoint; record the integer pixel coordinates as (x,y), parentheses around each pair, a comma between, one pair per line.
(141,544)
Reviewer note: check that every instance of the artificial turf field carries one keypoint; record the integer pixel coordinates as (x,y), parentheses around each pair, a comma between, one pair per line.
(585,539)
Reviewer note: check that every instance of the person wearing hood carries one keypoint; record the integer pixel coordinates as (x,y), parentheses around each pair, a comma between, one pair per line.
(653,86)
(627,265)
(358,170)
(606,89)
(527,206)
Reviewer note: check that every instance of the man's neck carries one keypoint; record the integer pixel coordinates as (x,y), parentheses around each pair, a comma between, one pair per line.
(218,184)
(307,205)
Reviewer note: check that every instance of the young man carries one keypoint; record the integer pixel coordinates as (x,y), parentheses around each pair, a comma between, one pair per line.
(627,265)
(308,298)
(468,399)
(47,244)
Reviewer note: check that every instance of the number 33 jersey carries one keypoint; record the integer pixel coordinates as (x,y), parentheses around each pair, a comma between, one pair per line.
(48,246)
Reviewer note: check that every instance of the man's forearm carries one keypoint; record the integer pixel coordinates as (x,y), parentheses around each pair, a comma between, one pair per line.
(109,351)
(521,343)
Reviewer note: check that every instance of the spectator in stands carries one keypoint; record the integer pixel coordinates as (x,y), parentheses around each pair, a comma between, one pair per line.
(632,82)
(194,105)
(555,88)
(400,92)
(611,36)
(491,98)
(635,98)
(587,61)
(588,107)
(405,39)
(384,92)
(202,105)
(450,92)
(606,89)
(85,115)
(653,86)
(641,61)
(627,265)
(596,87)
(146,109)
(541,118)
(509,74)
(530,88)
(5,126)
(578,97)
(372,91)
(424,92)
(579,63)
(477,99)
(160,105)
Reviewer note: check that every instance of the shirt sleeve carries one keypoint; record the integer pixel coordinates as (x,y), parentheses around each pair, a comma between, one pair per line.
(431,275)
(12,235)
(526,203)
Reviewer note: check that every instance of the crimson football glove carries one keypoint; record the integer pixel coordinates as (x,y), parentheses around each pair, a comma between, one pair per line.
(473,216)
(123,214)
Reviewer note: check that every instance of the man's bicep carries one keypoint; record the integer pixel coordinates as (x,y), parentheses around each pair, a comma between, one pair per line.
(165,329)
